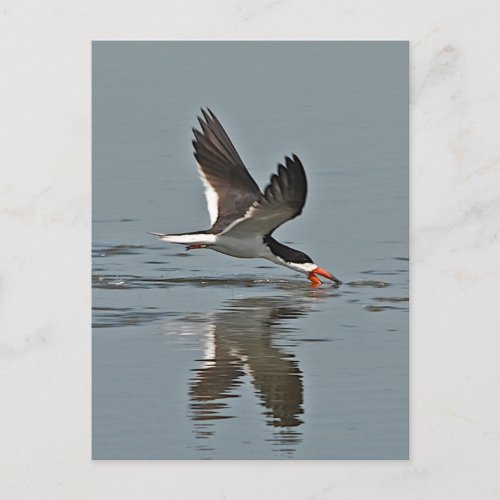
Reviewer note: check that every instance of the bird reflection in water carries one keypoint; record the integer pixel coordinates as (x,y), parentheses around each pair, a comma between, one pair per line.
(243,341)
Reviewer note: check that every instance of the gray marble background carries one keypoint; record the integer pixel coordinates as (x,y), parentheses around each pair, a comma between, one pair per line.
(45,248)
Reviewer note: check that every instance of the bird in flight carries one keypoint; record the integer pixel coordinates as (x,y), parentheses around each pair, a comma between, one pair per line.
(242,217)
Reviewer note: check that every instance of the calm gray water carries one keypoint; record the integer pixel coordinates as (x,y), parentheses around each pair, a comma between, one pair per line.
(197,355)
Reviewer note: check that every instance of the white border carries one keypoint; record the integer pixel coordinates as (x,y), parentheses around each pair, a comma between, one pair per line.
(45,228)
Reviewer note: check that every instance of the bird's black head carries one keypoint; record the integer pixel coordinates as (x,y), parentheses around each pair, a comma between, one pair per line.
(286,253)
(299,261)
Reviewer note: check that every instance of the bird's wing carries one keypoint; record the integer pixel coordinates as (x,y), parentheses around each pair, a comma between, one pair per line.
(229,189)
(282,200)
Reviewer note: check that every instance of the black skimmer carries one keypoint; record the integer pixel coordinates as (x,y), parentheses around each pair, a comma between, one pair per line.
(243,219)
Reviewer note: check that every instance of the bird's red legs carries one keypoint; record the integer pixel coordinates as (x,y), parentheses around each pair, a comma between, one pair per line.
(315,281)
(193,247)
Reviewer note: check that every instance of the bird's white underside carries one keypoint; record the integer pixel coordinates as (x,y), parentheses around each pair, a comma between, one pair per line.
(250,246)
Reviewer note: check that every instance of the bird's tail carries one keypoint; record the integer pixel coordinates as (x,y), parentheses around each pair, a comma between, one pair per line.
(187,238)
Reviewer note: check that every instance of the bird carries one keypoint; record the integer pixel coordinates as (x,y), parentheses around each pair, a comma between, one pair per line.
(243,218)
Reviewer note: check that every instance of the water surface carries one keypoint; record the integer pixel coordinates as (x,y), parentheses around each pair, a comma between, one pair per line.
(197,355)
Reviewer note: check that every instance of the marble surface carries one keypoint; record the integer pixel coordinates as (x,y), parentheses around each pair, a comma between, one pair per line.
(45,249)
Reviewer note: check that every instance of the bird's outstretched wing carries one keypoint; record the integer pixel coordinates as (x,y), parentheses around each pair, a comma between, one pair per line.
(282,200)
(229,188)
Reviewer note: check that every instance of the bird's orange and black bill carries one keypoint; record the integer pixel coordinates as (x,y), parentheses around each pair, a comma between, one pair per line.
(322,272)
